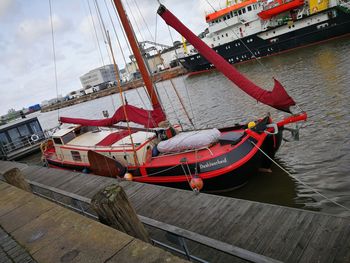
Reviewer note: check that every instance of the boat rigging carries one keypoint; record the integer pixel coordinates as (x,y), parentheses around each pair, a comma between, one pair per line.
(211,159)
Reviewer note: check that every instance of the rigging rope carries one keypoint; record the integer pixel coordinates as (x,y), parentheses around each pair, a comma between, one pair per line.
(120,46)
(301,182)
(192,120)
(54,58)
(96,35)
(104,35)
(122,99)
(240,40)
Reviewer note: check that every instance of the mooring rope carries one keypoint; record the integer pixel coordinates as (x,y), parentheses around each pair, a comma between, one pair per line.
(298,180)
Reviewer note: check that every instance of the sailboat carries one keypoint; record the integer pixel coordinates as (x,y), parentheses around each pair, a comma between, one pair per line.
(160,153)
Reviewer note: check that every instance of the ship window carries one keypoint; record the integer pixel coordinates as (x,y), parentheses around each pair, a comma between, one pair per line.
(213,38)
(235,13)
(57,140)
(222,35)
(243,10)
(23,130)
(68,137)
(239,12)
(14,134)
(35,127)
(76,156)
(3,138)
(226,34)
(249,8)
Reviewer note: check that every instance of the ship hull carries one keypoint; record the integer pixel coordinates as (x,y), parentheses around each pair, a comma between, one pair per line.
(229,169)
(255,46)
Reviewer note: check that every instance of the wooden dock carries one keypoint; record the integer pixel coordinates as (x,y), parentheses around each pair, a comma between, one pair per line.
(46,232)
(281,233)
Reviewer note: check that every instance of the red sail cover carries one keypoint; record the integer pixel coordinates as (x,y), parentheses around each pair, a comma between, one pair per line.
(277,98)
(147,118)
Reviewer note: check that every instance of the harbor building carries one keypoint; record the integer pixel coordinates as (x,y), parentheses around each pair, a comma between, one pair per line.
(98,76)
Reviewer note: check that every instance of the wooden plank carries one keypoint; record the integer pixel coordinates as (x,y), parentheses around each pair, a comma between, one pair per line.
(321,246)
(295,233)
(278,237)
(249,237)
(221,246)
(6,165)
(296,253)
(342,246)
(36,173)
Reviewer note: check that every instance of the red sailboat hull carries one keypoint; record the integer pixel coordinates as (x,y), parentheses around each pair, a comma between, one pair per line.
(222,166)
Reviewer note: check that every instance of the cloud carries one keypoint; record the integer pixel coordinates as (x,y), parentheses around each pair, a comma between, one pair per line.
(31,30)
(5,6)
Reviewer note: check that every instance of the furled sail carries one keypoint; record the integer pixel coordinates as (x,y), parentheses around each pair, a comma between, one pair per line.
(277,98)
(147,118)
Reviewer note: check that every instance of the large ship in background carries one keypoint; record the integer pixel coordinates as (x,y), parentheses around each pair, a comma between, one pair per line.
(257,28)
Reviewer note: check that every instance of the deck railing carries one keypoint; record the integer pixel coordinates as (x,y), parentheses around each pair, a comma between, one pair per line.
(22,142)
(181,237)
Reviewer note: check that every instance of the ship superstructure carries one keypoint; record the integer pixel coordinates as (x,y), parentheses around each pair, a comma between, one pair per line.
(256,28)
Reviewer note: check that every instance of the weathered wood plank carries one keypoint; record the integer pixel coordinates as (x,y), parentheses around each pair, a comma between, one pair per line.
(7,165)
(114,209)
(15,178)
(287,234)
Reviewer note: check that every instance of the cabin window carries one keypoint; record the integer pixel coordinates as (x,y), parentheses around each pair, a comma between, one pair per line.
(3,139)
(23,130)
(14,134)
(226,34)
(35,127)
(243,10)
(68,137)
(76,156)
(249,8)
(57,141)
(239,11)
(235,13)
(213,38)
(222,35)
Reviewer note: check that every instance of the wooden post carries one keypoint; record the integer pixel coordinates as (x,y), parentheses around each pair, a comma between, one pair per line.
(113,209)
(16,178)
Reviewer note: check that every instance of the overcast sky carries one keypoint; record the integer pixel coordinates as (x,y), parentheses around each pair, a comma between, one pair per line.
(27,74)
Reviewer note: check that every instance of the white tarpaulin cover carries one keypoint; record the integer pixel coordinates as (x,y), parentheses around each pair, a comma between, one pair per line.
(189,141)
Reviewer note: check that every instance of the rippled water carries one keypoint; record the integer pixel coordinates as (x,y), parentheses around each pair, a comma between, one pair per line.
(318,78)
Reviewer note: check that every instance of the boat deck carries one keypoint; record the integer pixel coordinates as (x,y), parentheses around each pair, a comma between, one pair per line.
(281,233)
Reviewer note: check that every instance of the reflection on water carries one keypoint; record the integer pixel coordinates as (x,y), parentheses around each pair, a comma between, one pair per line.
(316,77)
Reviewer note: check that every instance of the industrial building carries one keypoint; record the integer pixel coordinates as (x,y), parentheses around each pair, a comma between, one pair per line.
(98,76)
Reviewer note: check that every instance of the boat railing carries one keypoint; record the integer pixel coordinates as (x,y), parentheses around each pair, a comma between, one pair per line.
(268,6)
(172,238)
(345,3)
(22,142)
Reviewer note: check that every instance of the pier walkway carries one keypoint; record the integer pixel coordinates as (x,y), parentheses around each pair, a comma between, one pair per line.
(37,230)
(280,233)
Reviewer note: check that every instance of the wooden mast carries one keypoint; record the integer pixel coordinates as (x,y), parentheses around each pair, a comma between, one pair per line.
(137,54)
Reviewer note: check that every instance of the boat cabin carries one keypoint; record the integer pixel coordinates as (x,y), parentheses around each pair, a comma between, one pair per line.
(20,138)
(71,144)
